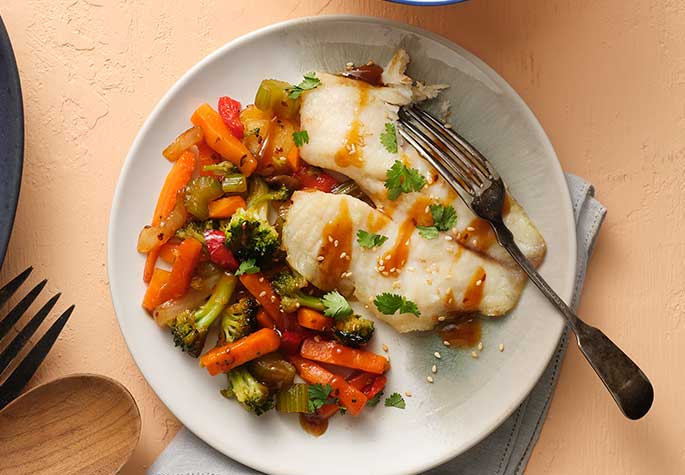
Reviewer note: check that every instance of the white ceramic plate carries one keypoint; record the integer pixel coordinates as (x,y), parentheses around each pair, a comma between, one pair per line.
(470,397)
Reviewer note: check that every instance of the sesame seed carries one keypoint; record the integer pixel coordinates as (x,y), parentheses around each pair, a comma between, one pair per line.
(336,243)
(385,273)
(411,268)
(261,279)
(450,301)
(366,306)
(448,238)
(343,275)
(475,242)
(429,282)
(426,209)
(446,343)
(470,228)
(479,282)
(273,299)
(396,284)
(458,236)
(392,269)
(406,243)
(407,393)
(429,379)
(441,318)
(350,64)
(387,258)
(320,258)
(330,238)
(480,346)
(317,338)
(434,369)
(381,268)
(501,347)
(343,255)
(385,347)
(262,293)
(474,354)
(437,355)
(448,126)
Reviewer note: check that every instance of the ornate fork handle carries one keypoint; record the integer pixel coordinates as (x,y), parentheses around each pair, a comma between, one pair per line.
(627,384)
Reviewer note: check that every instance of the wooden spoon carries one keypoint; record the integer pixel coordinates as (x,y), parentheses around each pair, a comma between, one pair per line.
(80,424)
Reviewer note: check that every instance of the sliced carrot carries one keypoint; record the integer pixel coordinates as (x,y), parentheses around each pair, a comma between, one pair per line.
(313,320)
(225,207)
(178,177)
(224,358)
(259,287)
(293,158)
(327,411)
(187,257)
(206,156)
(168,252)
(362,380)
(350,397)
(334,353)
(220,139)
(264,320)
(154,293)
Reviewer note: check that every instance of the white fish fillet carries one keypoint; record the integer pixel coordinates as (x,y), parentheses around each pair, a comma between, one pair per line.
(438,274)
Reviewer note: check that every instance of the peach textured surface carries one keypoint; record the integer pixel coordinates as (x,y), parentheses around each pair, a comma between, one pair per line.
(606,78)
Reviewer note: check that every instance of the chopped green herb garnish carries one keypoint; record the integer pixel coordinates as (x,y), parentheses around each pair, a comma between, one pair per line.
(309,82)
(389,138)
(336,306)
(389,304)
(373,402)
(400,179)
(301,137)
(370,240)
(247,267)
(444,219)
(254,131)
(428,232)
(318,395)
(395,400)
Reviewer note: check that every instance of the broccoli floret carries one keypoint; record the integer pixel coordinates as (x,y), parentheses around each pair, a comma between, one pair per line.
(260,195)
(249,236)
(289,284)
(238,320)
(190,328)
(249,392)
(224,168)
(195,230)
(354,330)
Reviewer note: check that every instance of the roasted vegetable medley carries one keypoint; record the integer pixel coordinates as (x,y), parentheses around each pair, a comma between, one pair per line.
(219,282)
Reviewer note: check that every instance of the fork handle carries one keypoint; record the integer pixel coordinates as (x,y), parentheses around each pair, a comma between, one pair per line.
(627,384)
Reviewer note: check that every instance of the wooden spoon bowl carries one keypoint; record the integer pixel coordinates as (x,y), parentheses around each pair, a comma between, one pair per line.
(80,424)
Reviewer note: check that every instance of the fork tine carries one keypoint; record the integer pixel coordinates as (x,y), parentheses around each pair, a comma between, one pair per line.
(464,145)
(457,182)
(444,136)
(19,309)
(22,337)
(8,290)
(26,369)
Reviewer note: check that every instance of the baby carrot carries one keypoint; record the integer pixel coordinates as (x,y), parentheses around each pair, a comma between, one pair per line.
(224,358)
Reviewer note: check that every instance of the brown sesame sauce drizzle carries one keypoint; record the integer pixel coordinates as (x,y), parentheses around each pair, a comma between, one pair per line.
(336,240)
(375,221)
(474,292)
(393,261)
(351,151)
(464,331)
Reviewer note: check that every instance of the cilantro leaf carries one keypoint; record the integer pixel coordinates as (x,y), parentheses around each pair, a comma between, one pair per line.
(309,82)
(318,394)
(400,179)
(428,232)
(373,402)
(389,138)
(389,304)
(395,400)
(301,137)
(370,240)
(247,267)
(444,217)
(336,306)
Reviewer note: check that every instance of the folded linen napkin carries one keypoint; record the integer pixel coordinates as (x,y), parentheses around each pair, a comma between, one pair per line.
(504,452)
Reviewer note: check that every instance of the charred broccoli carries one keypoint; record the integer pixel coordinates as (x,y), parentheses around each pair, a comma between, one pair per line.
(249,392)
(238,320)
(190,328)
(353,330)
(194,230)
(289,284)
(249,233)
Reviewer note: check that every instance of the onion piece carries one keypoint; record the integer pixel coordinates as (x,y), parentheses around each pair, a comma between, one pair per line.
(183,142)
(152,237)
(166,312)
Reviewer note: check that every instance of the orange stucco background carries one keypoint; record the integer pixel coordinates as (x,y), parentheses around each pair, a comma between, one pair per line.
(606,78)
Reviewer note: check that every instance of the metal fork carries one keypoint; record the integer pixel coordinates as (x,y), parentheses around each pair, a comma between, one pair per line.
(21,375)
(479,185)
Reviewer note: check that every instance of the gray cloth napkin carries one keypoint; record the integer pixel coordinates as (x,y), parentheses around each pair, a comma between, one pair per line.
(504,452)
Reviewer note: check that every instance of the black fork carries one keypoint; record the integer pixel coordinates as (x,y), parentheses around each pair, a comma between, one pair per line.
(21,375)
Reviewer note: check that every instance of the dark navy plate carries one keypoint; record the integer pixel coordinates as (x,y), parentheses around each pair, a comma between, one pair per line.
(11,138)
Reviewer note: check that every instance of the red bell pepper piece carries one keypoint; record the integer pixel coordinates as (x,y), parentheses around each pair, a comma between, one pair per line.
(291,340)
(315,179)
(215,241)
(229,110)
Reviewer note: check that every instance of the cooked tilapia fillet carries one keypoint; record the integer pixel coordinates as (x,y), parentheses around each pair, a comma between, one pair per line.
(440,276)
(345,119)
